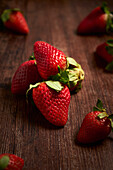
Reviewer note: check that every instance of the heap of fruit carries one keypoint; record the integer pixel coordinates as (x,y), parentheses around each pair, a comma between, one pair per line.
(51,76)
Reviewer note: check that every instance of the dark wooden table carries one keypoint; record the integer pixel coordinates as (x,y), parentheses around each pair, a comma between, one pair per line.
(23,130)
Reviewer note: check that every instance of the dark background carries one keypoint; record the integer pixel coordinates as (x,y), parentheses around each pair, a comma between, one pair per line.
(23,130)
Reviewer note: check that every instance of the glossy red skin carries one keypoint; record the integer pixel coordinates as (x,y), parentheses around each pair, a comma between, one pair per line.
(17,23)
(48,58)
(15,162)
(102,52)
(95,22)
(52,104)
(25,75)
(93,129)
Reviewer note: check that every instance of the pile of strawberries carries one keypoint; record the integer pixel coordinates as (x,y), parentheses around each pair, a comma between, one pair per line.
(51,76)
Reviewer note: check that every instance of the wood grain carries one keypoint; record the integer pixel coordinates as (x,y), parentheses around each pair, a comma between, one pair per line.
(23,130)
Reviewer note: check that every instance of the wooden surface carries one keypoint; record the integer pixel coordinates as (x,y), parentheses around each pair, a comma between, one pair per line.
(23,130)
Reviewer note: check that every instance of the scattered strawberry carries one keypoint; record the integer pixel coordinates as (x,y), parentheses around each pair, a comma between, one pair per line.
(26,74)
(52,99)
(13,19)
(11,162)
(100,20)
(96,125)
(105,50)
(48,58)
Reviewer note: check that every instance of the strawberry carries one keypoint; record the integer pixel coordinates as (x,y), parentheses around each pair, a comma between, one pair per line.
(105,50)
(75,74)
(100,20)
(72,76)
(14,20)
(52,99)
(96,125)
(48,58)
(11,162)
(26,74)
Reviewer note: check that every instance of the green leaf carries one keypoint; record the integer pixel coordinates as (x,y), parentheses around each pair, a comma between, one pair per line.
(102,115)
(15,9)
(109,67)
(56,85)
(110,42)
(96,109)
(4,161)
(109,50)
(105,8)
(6,15)
(31,87)
(99,104)
(109,25)
(110,116)
(71,61)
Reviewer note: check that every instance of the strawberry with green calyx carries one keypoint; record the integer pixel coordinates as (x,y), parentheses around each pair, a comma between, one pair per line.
(100,20)
(96,125)
(26,74)
(72,76)
(48,58)
(105,50)
(14,20)
(11,162)
(52,99)
(75,74)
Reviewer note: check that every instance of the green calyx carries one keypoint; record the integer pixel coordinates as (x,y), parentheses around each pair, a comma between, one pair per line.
(6,14)
(4,161)
(105,8)
(109,47)
(109,25)
(99,106)
(109,66)
(103,114)
(73,75)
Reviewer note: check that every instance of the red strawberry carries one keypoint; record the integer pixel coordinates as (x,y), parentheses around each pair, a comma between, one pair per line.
(96,125)
(14,20)
(48,58)
(98,21)
(52,99)
(105,50)
(26,74)
(11,162)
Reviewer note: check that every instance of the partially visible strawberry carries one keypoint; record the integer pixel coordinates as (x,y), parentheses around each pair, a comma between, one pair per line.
(11,162)
(100,20)
(14,20)
(96,125)
(25,75)
(48,58)
(52,99)
(72,76)
(105,50)
(75,74)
